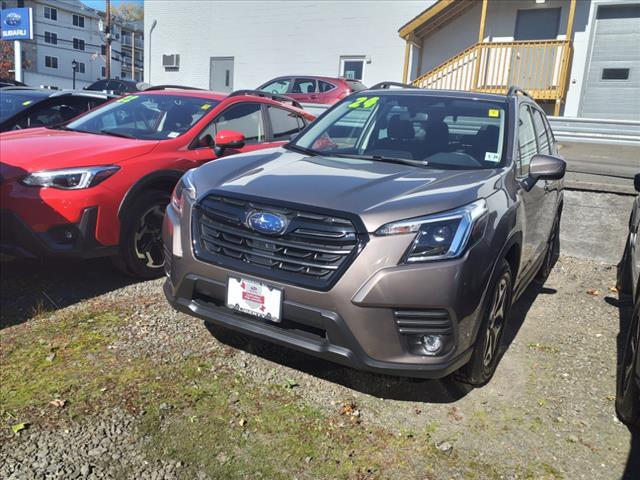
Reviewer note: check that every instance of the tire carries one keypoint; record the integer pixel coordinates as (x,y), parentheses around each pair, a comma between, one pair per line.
(553,251)
(624,282)
(486,353)
(628,391)
(141,249)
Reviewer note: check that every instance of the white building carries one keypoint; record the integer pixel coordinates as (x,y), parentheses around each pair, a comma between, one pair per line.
(575,57)
(68,30)
(259,40)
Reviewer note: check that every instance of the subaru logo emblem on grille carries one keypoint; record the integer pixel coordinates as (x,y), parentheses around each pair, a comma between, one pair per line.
(266,222)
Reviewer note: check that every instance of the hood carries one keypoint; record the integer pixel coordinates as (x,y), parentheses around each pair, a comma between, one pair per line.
(376,191)
(36,149)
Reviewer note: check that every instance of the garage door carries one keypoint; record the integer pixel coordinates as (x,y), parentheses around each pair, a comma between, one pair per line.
(612,88)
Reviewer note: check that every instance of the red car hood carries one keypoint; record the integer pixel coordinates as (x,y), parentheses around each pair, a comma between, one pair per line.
(45,149)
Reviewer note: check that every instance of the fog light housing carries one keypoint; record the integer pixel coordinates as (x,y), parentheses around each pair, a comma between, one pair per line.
(432,344)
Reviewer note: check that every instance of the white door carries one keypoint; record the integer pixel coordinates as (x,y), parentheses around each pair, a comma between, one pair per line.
(221,74)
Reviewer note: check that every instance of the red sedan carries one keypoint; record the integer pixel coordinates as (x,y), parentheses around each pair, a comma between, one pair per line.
(99,184)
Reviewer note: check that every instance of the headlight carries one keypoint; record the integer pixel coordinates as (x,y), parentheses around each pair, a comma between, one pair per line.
(184,188)
(70,178)
(444,235)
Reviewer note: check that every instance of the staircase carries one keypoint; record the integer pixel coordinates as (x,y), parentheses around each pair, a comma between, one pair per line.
(540,67)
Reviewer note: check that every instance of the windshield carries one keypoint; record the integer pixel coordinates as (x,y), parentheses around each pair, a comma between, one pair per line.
(442,132)
(145,117)
(14,102)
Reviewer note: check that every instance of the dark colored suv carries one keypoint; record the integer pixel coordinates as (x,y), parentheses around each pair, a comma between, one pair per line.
(392,235)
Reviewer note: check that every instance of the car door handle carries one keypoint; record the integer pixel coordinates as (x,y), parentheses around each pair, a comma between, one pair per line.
(546,185)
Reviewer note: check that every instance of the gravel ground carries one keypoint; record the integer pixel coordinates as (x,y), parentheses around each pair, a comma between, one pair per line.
(550,404)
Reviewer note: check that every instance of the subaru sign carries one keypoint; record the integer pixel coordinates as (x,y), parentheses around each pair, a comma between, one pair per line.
(16,24)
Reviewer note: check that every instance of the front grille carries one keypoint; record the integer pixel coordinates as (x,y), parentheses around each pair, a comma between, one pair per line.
(416,322)
(313,251)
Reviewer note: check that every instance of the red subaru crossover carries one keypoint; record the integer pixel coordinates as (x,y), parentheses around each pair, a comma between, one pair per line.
(99,184)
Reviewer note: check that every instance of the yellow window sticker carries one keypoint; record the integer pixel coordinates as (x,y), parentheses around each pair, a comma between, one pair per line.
(494,112)
(127,99)
(364,102)
(206,106)
(27,102)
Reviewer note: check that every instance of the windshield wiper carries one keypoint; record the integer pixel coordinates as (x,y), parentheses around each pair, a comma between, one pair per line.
(115,134)
(61,127)
(380,158)
(297,148)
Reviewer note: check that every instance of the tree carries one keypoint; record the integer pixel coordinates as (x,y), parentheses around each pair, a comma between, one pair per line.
(129,11)
(6,59)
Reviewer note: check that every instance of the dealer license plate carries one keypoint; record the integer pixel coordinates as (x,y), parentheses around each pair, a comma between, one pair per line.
(254,298)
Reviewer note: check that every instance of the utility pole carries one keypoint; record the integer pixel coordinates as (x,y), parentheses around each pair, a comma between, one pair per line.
(108,39)
(133,55)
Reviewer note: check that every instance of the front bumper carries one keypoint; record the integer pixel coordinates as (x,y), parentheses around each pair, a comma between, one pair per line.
(18,240)
(358,322)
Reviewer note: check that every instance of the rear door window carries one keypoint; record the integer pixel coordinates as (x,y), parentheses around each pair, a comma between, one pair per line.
(304,85)
(283,123)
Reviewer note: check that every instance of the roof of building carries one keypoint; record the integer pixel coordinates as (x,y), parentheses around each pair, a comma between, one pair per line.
(434,17)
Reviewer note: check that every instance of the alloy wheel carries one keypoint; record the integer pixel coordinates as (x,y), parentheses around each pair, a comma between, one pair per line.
(147,239)
(496,321)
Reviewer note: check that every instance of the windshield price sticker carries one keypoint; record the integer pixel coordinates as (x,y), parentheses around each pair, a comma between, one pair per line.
(206,106)
(494,112)
(26,102)
(491,157)
(127,99)
(364,102)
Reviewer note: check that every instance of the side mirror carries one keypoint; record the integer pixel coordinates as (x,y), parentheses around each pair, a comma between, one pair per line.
(228,139)
(545,167)
(636,182)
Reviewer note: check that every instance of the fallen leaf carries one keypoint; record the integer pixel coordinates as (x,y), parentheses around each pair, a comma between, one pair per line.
(243,422)
(455,414)
(347,408)
(613,289)
(290,383)
(18,427)
(593,292)
(58,402)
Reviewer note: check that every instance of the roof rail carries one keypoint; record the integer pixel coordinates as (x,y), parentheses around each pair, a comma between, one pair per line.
(168,87)
(273,96)
(388,85)
(19,87)
(514,90)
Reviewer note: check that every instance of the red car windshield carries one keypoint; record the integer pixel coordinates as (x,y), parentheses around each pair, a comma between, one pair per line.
(145,117)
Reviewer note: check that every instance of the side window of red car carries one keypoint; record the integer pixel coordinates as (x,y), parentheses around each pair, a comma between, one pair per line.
(245,117)
(284,123)
(304,85)
(324,87)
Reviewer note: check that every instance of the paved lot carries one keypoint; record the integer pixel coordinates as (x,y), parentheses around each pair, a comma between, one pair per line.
(150,393)
(600,167)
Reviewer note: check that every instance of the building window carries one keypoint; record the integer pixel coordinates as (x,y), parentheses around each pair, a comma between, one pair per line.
(103,72)
(352,68)
(81,67)
(50,62)
(103,49)
(50,37)
(615,74)
(78,20)
(78,44)
(51,13)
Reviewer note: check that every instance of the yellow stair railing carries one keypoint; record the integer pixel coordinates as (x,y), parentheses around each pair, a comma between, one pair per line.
(540,67)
